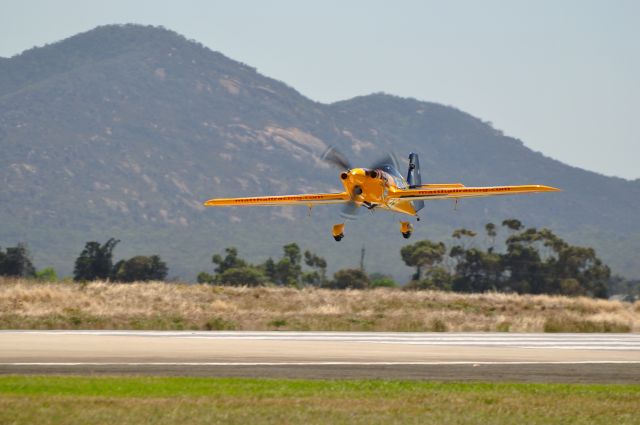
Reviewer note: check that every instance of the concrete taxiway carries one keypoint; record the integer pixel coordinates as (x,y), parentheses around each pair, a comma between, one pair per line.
(438,356)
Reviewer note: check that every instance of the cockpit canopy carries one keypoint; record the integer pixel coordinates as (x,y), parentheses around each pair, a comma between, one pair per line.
(395,175)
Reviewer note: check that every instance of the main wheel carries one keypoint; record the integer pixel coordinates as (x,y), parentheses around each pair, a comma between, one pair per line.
(406,235)
(339,237)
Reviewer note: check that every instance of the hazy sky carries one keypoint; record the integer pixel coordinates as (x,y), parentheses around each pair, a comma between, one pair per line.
(563,76)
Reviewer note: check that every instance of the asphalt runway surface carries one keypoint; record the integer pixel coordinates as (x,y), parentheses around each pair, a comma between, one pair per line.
(595,358)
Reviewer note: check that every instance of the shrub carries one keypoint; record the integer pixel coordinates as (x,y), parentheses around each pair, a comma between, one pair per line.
(503,326)
(377,280)
(437,325)
(249,276)
(140,268)
(349,279)
(47,275)
(567,324)
(219,324)
(204,277)
(278,323)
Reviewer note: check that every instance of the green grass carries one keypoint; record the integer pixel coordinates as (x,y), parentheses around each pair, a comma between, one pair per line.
(162,400)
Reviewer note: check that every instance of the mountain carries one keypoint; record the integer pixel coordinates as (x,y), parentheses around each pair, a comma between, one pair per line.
(124,130)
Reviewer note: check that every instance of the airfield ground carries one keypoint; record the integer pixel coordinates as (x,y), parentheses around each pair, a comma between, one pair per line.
(524,357)
(132,400)
(241,375)
(161,306)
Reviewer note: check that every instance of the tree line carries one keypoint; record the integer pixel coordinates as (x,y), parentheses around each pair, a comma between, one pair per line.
(530,261)
(288,270)
(95,262)
(524,260)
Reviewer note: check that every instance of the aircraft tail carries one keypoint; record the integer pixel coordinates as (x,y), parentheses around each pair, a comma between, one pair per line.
(414,179)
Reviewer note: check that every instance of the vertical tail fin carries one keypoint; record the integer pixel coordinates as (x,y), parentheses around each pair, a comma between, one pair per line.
(413,178)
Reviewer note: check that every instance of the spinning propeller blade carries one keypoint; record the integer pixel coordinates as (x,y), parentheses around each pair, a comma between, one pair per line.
(334,157)
(350,211)
(388,160)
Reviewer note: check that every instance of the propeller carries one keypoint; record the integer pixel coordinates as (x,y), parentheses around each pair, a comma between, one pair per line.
(336,158)
(339,160)
(389,160)
(351,209)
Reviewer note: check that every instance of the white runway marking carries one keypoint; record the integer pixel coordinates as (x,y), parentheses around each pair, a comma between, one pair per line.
(463,363)
(625,342)
(441,356)
(430,355)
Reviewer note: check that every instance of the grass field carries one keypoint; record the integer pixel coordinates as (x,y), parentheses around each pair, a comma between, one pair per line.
(162,306)
(153,400)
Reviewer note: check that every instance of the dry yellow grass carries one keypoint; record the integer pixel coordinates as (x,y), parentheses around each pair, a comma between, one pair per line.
(32,305)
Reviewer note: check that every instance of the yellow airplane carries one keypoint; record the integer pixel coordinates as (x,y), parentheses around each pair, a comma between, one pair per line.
(380,186)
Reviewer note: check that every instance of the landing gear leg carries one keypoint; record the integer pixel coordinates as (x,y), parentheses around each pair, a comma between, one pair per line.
(406,228)
(338,232)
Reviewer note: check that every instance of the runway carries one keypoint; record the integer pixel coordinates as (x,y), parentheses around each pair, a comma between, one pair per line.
(436,356)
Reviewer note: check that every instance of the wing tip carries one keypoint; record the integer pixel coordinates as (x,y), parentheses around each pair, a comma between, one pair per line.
(549,188)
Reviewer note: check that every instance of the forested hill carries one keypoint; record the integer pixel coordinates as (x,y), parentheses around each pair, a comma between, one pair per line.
(123,131)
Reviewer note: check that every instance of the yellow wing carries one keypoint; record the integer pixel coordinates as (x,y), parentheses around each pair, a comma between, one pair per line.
(305,199)
(455,192)
(438,185)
